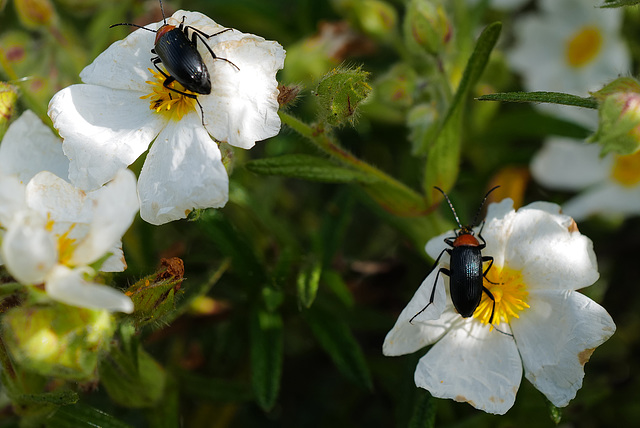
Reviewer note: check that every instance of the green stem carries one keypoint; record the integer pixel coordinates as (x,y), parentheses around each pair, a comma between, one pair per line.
(391,194)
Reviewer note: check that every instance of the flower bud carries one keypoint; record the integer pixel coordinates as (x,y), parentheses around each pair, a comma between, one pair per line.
(340,92)
(619,117)
(426,25)
(374,17)
(58,340)
(8,98)
(35,13)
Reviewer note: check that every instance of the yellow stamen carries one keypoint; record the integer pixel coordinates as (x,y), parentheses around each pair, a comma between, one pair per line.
(170,103)
(66,246)
(626,170)
(583,46)
(509,292)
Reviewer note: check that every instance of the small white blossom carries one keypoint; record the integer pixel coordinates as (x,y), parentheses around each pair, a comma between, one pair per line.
(110,120)
(546,327)
(569,46)
(608,185)
(51,231)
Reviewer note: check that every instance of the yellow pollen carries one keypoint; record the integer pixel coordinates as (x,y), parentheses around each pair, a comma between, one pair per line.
(583,46)
(510,294)
(66,246)
(170,103)
(626,170)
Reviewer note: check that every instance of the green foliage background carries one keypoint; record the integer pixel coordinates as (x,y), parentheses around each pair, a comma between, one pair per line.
(308,276)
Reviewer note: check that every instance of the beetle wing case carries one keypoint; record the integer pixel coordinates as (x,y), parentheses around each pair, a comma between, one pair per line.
(466,270)
(183,62)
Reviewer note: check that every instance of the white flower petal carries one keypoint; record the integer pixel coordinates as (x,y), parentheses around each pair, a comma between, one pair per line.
(58,200)
(28,249)
(547,253)
(566,164)
(104,130)
(556,336)
(183,171)
(605,199)
(115,206)
(125,64)
(473,365)
(405,336)
(115,263)
(243,105)
(68,286)
(29,147)
(12,198)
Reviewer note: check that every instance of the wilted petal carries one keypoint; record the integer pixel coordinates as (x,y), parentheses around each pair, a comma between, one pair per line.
(556,337)
(183,171)
(28,249)
(104,130)
(474,365)
(68,286)
(29,147)
(115,206)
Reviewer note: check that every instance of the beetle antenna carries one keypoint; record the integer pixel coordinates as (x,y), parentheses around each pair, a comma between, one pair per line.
(133,25)
(163,17)
(450,205)
(475,219)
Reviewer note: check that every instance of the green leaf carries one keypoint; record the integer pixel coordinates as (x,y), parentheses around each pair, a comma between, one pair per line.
(214,389)
(334,281)
(308,281)
(424,411)
(542,97)
(444,154)
(267,339)
(81,416)
(336,339)
(620,3)
(307,167)
(58,398)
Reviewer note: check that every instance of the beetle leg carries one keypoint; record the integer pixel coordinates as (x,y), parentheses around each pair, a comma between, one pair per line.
(490,260)
(484,243)
(197,34)
(169,80)
(433,290)
(449,241)
(493,308)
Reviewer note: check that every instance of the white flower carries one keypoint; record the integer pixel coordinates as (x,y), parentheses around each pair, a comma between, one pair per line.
(502,4)
(610,184)
(109,121)
(51,231)
(539,262)
(570,46)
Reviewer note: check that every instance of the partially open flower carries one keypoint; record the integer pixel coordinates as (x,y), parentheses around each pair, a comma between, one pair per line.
(541,322)
(109,121)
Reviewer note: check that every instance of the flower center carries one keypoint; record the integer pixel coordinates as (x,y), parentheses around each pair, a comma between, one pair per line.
(509,292)
(583,46)
(626,170)
(66,246)
(164,100)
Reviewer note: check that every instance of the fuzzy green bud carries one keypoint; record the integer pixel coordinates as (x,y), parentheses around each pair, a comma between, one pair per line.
(35,13)
(340,92)
(57,340)
(426,26)
(619,117)
(8,98)
(374,17)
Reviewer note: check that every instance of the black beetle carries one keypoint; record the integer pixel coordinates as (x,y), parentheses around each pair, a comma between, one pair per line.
(180,57)
(465,266)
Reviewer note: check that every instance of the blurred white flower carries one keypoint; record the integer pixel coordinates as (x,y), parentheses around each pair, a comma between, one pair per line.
(109,121)
(51,231)
(569,46)
(539,262)
(502,4)
(609,185)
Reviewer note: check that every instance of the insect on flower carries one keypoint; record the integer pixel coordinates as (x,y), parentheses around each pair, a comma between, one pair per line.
(465,271)
(180,57)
